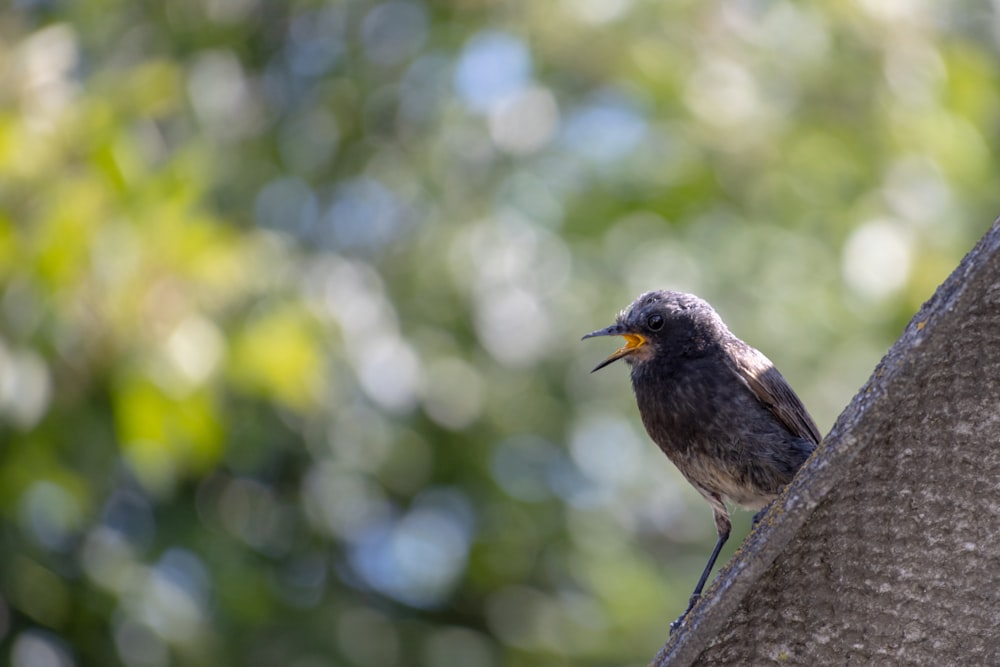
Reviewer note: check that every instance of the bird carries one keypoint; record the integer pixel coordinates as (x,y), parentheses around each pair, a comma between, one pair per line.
(716,406)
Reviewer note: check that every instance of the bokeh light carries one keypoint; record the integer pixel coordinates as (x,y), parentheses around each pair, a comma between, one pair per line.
(291,298)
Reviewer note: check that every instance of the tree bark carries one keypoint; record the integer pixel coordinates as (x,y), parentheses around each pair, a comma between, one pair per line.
(886,547)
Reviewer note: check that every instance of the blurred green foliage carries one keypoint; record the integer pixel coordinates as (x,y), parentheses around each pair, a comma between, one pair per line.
(290,296)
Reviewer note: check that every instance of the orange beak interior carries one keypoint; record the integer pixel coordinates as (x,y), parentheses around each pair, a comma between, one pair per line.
(632,343)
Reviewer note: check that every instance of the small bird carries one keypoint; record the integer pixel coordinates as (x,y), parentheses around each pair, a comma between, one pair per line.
(717,407)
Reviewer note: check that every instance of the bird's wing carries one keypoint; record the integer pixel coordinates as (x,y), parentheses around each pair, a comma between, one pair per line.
(770,387)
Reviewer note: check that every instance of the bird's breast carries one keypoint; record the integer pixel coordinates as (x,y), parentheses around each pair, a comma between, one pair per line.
(686,401)
(718,435)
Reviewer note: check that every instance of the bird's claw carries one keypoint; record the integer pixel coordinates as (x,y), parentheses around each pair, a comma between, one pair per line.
(760,515)
(680,619)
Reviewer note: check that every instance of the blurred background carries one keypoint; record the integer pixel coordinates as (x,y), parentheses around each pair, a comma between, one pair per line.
(291,297)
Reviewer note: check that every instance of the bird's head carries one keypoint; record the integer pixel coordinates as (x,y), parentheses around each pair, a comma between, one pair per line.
(659,320)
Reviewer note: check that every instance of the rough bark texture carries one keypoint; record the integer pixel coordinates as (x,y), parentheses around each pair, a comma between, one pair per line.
(885,549)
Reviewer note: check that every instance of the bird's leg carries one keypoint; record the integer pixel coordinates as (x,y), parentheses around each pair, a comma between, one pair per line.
(696,595)
(723,526)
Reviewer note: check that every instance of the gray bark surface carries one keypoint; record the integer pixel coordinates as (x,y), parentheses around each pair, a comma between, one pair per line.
(885,549)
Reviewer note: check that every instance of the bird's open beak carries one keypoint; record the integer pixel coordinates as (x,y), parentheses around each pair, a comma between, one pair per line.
(633,342)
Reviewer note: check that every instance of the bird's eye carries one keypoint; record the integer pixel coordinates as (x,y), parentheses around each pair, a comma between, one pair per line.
(655,322)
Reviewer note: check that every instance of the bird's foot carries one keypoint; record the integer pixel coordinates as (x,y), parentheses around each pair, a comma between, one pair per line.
(675,626)
(680,619)
(760,515)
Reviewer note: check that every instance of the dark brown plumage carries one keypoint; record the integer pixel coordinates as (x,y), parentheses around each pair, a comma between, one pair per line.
(717,407)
